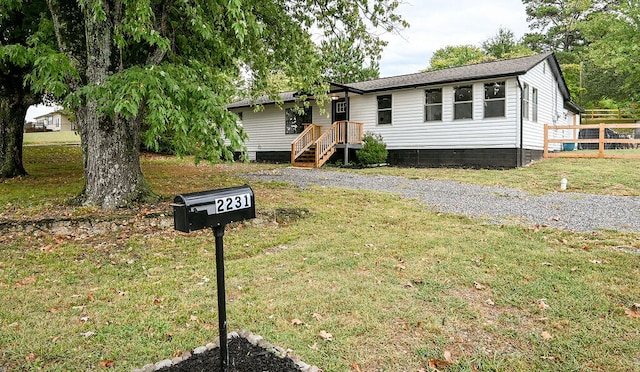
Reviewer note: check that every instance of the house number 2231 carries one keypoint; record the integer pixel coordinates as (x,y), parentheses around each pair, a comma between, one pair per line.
(232,203)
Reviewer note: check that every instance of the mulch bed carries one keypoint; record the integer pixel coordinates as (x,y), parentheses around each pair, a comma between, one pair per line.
(243,357)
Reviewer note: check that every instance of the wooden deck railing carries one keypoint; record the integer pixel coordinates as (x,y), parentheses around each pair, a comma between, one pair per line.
(304,140)
(601,141)
(340,132)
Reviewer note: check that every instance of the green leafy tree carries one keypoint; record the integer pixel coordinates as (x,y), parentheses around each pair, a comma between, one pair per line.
(614,71)
(347,60)
(504,46)
(559,24)
(22,35)
(172,66)
(454,56)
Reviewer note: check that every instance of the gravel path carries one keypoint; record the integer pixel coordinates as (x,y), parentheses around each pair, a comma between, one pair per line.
(573,211)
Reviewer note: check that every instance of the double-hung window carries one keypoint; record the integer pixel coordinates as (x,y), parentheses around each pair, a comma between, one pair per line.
(433,105)
(534,104)
(294,121)
(384,109)
(494,99)
(525,101)
(463,102)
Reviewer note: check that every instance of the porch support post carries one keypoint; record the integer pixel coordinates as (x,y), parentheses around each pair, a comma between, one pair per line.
(346,129)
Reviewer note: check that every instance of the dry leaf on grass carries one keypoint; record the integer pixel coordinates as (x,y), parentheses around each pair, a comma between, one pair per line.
(440,364)
(542,305)
(316,316)
(633,312)
(326,335)
(314,346)
(106,363)
(296,322)
(479,286)
(546,335)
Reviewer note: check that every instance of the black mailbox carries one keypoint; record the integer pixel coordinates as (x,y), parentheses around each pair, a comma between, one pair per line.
(214,208)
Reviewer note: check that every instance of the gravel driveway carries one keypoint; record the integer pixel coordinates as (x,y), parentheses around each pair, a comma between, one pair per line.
(573,211)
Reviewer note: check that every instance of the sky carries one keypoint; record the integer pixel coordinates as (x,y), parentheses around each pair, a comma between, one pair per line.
(435,24)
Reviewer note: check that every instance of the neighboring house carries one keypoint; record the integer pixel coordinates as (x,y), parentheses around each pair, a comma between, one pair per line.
(54,121)
(483,115)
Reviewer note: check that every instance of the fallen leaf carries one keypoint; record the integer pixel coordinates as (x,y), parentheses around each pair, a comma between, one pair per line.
(193,318)
(106,363)
(326,335)
(314,346)
(490,302)
(316,316)
(355,367)
(84,319)
(479,286)
(546,335)
(400,267)
(596,262)
(542,305)
(447,356)
(634,311)
(296,322)
(88,334)
(439,364)
(547,263)
(27,281)
(53,310)
(408,285)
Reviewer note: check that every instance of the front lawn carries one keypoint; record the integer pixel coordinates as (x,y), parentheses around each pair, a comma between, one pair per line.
(398,287)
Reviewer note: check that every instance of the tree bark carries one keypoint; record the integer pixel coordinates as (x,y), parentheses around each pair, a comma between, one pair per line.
(111,145)
(13,110)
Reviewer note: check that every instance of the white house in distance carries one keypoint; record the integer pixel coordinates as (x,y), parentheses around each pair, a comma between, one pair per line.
(54,121)
(488,115)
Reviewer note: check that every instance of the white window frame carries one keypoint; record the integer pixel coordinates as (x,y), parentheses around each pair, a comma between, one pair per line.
(384,109)
(428,105)
(494,85)
(525,101)
(456,102)
(534,105)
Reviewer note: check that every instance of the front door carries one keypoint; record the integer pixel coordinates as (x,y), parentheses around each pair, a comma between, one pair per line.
(339,110)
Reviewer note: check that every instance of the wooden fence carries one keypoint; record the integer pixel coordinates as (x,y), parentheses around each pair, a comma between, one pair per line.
(603,141)
(614,116)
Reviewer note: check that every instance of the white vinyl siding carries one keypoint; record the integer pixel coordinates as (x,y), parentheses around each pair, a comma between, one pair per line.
(410,132)
(546,110)
(266,128)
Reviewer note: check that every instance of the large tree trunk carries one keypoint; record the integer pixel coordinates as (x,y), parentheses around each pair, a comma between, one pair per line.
(12,113)
(113,177)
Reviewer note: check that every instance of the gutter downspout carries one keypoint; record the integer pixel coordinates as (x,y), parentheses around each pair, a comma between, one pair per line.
(519,159)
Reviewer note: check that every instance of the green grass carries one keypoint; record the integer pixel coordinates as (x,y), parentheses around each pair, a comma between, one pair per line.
(39,138)
(592,176)
(392,282)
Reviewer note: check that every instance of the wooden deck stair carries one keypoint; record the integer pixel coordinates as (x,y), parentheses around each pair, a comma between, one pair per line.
(312,148)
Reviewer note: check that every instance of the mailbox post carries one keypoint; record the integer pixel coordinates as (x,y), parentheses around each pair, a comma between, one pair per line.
(215,209)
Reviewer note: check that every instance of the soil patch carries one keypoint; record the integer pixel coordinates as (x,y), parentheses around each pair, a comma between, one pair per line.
(243,357)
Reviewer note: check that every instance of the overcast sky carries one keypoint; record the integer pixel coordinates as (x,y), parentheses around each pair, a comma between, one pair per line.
(438,23)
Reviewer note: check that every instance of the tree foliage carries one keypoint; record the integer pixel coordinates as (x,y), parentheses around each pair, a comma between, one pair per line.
(24,33)
(459,55)
(505,46)
(346,60)
(171,67)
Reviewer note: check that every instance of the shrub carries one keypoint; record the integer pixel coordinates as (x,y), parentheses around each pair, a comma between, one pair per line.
(374,150)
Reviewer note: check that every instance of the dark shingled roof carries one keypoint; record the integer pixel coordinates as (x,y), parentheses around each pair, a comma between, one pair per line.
(264,100)
(487,70)
(509,67)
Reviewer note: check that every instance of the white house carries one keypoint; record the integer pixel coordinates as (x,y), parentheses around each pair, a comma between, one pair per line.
(484,115)
(54,121)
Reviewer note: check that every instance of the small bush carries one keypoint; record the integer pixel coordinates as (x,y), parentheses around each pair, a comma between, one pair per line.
(374,150)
